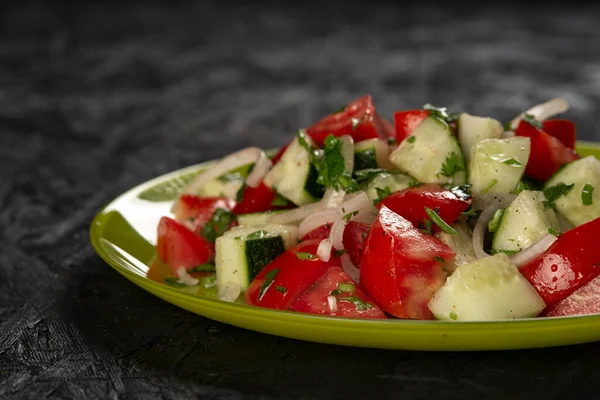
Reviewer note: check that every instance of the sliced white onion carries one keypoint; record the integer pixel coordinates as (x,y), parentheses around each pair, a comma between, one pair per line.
(499,201)
(313,221)
(332,302)
(354,202)
(261,167)
(324,249)
(530,253)
(382,155)
(186,278)
(366,215)
(543,111)
(295,215)
(350,268)
(348,152)
(337,233)
(228,163)
(229,292)
(333,198)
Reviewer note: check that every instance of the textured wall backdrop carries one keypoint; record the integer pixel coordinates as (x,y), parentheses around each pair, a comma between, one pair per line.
(95,98)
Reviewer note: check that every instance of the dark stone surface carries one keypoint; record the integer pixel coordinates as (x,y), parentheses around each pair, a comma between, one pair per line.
(96,98)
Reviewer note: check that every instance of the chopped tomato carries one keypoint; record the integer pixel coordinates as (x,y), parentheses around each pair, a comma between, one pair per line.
(585,300)
(407,121)
(563,130)
(322,232)
(358,119)
(258,199)
(354,238)
(285,278)
(401,268)
(547,155)
(180,247)
(410,203)
(350,300)
(195,211)
(572,261)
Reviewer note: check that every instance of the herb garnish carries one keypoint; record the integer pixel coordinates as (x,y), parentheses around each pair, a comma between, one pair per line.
(367,173)
(530,119)
(206,267)
(454,163)
(512,161)
(257,235)
(554,192)
(269,278)
(441,113)
(382,194)
(217,225)
(358,303)
(586,194)
(303,255)
(440,222)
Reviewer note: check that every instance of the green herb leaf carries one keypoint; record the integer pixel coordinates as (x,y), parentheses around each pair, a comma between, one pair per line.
(382,194)
(281,289)
(507,252)
(269,278)
(453,315)
(174,282)
(238,174)
(257,235)
(489,187)
(339,253)
(439,259)
(303,255)
(411,139)
(206,267)
(209,282)
(425,226)
(280,201)
(358,303)
(392,141)
(335,292)
(441,113)
(345,287)
(495,221)
(436,219)
(530,119)
(461,191)
(454,163)
(552,231)
(367,173)
(239,195)
(512,161)
(586,194)
(349,216)
(554,192)
(470,212)
(217,225)
(507,126)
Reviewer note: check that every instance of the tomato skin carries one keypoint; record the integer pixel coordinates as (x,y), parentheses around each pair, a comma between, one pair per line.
(200,208)
(314,299)
(562,129)
(571,262)
(410,203)
(354,238)
(180,247)
(585,300)
(322,232)
(258,199)
(359,119)
(407,121)
(547,155)
(293,274)
(400,266)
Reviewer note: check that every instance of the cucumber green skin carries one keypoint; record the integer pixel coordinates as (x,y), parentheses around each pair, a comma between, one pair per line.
(365,159)
(311,186)
(260,252)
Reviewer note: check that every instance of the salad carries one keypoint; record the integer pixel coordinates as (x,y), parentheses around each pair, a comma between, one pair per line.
(436,216)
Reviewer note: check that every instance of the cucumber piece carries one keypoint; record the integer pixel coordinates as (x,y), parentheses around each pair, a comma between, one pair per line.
(253,219)
(431,154)
(579,173)
(394,182)
(294,177)
(243,251)
(462,244)
(226,185)
(372,153)
(524,222)
(497,165)
(490,288)
(473,129)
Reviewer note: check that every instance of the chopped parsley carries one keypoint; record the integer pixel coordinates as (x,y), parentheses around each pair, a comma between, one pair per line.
(530,119)
(367,173)
(425,226)
(554,192)
(490,185)
(586,194)
(439,259)
(335,292)
(269,278)
(441,113)
(303,255)
(206,267)
(382,194)
(219,222)
(358,303)
(552,231)
(281,289)
(257,235)
(339,253)
(495,221)
(345,287)
(453,315)
(348,217)
(508,126)
(525,184)
(411,139)
(174,282)
(454,163)
(471,212)
(239,195)
(280,201)
(461,191)
(436,219)
(511,161)
(507,252)
(329,163)
(210,282)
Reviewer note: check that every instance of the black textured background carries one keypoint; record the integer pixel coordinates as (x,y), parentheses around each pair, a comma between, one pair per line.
(98,97)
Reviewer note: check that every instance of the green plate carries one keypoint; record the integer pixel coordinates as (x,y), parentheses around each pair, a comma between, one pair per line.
(124,233)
